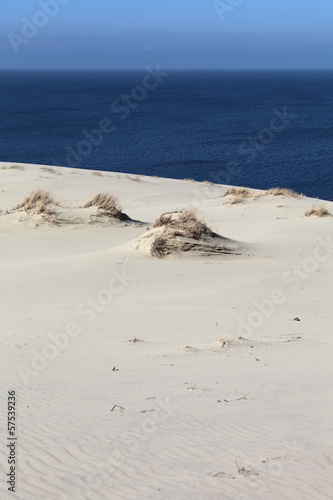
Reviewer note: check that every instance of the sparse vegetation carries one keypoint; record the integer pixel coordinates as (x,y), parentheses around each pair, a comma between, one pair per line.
(97,173)
(243,192)
(13,167)
(134,340)
(185,223)
(276,191)
(183,231)
(160,247)
(39,202)
(318,211)
(189,180)
(131,178)
(108,204)
(48,170)
(42,203)
(238,198)
(16,167)
(238,194)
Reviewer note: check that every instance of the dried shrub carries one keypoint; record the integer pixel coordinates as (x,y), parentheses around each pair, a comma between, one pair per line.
(13,167)
(131,178)
(184,232)
(160,247)
(317,210)
(16,167)
(239,192)
(164,220)
(108,204)
(38,201)
(238,198)
(184,223)
(276,191)
(48,170)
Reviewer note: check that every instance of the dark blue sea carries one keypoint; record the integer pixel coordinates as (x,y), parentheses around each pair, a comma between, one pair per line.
(257,129)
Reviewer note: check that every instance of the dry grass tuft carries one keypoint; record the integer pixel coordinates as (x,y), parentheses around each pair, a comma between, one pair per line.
(160,247)
(276,191)
(97,173)
(238,198)
(210,183)
(318,211)
(16,167)
(240,192)
(48,170)
(183,232)
(189,180)
(39,202)
(108,204)
(13,167)
(131,178)
(175,230)
(186,223)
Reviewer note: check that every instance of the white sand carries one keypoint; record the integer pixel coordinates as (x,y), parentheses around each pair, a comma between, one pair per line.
(189,407)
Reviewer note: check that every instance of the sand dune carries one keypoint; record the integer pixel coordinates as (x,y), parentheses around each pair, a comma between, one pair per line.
(202,374)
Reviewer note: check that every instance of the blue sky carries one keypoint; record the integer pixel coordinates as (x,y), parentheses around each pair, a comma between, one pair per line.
(124,34)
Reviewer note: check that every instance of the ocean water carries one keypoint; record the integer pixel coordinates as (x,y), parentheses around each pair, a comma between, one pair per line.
(258,129)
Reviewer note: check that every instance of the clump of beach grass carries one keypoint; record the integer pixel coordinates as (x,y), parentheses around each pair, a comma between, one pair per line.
(277,191)
(317,211)
(238,198)
(48,170)
(185,223)
(160,247)
(39,202)
(242,191)
(183,231)
(238,194)
(13,167)
(135,178)
(108,205)
(16,167)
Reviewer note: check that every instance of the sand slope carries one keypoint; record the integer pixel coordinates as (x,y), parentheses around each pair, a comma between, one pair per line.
(185,377)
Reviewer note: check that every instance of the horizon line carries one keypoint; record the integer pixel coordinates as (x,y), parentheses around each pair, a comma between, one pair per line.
(168,69)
